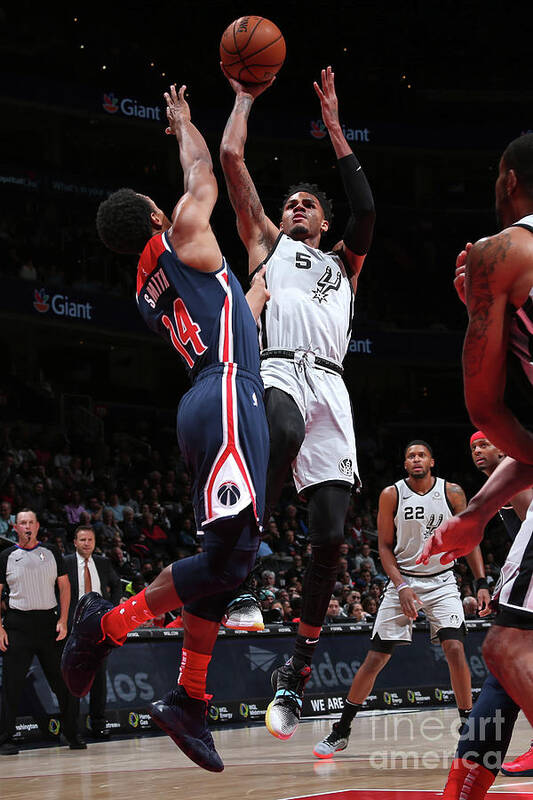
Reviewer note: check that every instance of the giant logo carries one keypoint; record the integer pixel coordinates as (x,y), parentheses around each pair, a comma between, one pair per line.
(40,301)
(61,305)
(318,129)
(129,107)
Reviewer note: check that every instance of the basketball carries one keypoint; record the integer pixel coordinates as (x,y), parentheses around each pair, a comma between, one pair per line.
(252,49)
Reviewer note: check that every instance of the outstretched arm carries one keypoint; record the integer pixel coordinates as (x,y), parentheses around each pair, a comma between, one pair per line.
(459,535)
(359,230)
(198,178)
(191,233)
(258,233)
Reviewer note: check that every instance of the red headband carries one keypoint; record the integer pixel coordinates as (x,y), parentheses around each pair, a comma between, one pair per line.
(477,435)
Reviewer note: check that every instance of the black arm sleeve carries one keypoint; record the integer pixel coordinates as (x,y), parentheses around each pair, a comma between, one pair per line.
(358,234)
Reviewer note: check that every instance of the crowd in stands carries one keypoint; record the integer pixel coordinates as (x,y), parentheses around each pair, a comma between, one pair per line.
(139,505)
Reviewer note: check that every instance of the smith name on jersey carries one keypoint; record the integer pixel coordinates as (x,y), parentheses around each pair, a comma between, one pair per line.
(196,312)
(312,300)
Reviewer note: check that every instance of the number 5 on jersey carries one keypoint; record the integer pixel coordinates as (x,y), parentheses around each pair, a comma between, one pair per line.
(183,330)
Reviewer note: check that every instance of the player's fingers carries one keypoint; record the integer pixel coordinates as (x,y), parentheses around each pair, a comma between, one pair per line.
(450,556)
(181,94)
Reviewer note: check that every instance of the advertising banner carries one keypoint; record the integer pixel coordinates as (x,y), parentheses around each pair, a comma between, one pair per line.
(146,667)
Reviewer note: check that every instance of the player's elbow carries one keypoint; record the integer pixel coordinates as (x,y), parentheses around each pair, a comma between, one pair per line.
(483,412)
(230,156)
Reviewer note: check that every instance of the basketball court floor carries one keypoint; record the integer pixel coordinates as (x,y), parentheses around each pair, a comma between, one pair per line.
(402,756)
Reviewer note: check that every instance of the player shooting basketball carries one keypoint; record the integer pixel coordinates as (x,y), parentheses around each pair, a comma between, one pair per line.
(306,327)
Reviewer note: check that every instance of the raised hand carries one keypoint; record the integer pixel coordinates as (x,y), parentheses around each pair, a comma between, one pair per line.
(253,89)
(328,98)
(178,110)
(460,269)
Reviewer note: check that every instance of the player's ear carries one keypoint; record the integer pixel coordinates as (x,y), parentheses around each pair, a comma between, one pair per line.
(324,226)
(511,182)
(432,464)
(156,218)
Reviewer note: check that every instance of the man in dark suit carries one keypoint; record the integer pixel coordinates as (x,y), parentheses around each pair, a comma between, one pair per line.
(90,573)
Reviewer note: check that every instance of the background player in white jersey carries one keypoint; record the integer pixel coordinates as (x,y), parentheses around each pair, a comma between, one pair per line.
(498,291)
(408,513)
(305,332)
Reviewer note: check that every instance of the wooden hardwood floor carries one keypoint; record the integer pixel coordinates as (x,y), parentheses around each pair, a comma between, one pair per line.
(401,751)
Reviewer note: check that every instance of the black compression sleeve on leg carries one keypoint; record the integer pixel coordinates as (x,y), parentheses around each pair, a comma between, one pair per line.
(328,505)
(358,234)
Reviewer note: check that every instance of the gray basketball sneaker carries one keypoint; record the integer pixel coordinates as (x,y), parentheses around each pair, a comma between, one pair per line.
(244,614)
(283,713)
(332,743)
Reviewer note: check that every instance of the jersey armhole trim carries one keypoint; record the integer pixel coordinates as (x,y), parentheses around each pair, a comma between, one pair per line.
(267,257)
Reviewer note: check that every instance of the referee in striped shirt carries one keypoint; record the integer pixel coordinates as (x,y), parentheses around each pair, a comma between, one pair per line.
(30,570)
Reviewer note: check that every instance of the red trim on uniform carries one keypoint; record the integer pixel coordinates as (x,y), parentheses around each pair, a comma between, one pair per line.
(231,448)
(149,258)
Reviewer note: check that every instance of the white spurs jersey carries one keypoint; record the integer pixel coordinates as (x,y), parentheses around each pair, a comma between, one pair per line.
(312,300)
(417,518)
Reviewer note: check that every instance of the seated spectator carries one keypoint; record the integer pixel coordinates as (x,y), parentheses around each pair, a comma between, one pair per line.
(36,498)
(74,508)
(152,531)
(187,534)
(357,534)
(130,529)
(136,585)
(364,559)
(334,613)
(7,520)
(268,581)
(470,607)
(297,570)
(116,507)
(355,613)
(109,527)
(267,600)
(371,607)
(362,580)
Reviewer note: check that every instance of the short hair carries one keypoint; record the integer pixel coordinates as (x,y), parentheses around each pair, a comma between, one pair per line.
(419,441)
(310,188)
(518,156)
(123,222)
(84,528)
(26,511)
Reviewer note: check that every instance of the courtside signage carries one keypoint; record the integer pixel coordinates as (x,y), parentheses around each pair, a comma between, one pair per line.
(318,130)
(129,107)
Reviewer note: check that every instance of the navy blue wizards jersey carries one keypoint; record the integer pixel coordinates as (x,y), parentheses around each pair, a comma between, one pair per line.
(196,312)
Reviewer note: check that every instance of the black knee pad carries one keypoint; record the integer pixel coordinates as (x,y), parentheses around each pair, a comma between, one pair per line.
(286,425)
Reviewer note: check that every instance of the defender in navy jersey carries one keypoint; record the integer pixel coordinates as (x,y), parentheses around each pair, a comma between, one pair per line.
(496,283)
(305,330)
(188,295)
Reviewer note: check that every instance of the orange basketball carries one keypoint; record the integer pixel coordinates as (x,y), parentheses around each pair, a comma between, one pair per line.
(252,49)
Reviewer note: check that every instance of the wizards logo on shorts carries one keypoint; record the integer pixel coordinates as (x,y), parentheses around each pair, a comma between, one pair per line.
(228,494)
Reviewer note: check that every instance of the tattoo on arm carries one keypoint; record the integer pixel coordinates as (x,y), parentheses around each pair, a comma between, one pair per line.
(480,298)
(456,497)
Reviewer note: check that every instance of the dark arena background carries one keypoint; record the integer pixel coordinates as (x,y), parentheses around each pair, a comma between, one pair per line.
(429,96)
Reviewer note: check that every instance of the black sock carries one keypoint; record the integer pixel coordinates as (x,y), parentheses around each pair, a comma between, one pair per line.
(304,649)
(348,713)
(464,713)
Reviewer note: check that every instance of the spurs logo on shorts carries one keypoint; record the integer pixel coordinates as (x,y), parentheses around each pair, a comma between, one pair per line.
(346,467)
(454,620)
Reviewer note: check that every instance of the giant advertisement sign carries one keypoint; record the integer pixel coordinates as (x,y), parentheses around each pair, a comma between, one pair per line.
(146,667)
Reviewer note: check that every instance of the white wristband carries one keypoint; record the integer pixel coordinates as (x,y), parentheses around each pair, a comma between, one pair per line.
(402,586)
